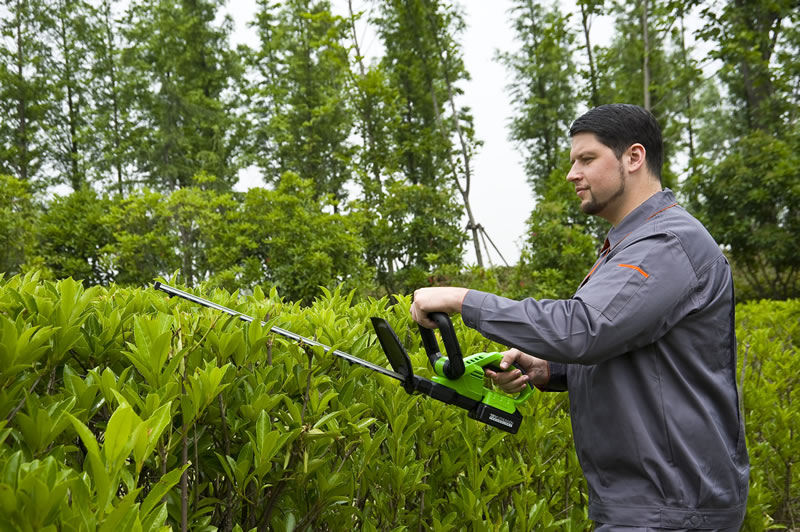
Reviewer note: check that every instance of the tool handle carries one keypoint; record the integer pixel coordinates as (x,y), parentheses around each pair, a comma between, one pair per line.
(516,365)
(453,367)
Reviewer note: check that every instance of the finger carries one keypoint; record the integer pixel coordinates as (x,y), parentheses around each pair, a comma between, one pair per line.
(505,377)
(420,317)
(515,386)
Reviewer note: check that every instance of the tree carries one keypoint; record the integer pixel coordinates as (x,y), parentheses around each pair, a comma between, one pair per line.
(757,44)
(590,8)
(446,23)
(26,91)
(744,186)
(749,203)
(195,218)
(542,89)
(421,168)
(112,89)
(19,211)
(645,65)
(300,105)
(412,236)
(69,119)
(145,243)
(72,236)
(283,238)
(186,99)
(561,245)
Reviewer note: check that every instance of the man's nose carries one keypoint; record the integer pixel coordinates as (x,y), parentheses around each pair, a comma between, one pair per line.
(572,175)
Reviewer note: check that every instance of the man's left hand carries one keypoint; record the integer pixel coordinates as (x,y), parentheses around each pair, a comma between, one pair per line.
(446,299)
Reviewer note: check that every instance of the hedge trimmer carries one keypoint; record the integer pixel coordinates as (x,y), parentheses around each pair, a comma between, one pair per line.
(457,381)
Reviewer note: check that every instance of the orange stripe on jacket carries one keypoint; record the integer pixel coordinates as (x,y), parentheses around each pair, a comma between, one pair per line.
(638,269)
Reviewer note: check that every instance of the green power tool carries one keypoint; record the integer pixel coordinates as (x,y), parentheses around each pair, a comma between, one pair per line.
(458,381)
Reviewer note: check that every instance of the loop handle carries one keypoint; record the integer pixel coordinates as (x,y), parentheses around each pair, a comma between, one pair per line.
(453,367)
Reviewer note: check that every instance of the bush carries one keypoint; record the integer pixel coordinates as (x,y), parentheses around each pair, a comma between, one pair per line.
(125,410)
(769,365)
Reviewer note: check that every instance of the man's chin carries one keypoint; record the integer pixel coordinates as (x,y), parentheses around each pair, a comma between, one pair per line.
(590,207)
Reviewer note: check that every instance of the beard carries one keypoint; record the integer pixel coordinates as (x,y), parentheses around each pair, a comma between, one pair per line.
(595,206)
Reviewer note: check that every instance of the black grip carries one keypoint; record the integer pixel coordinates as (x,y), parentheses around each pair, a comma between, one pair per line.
(454,366)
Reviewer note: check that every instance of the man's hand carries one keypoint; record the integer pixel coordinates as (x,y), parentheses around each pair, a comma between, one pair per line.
(534,370)
(436,299)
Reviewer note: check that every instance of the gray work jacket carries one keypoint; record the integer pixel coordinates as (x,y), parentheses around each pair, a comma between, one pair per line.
(647,349)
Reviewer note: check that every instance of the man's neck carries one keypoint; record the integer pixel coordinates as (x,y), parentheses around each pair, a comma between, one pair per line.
(643,189)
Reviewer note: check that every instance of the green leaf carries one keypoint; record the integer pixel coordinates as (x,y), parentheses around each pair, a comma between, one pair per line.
(160,489)
(120,436)
(148,435)
(126,509)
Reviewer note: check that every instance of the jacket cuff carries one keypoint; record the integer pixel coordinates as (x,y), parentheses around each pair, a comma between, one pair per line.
(558,378)
(471,308)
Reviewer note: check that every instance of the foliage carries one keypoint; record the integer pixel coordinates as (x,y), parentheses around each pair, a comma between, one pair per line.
(301,112)
(757,50)
(749,203)
(141,97)
(543,90)
(125,410)
(191,73)
(26,91)
(72,235)
(271,434)
(413,235)
(18,213)
(144,240)
(561,244)
(422,67)
(769,336)
(71,35)
(285,238)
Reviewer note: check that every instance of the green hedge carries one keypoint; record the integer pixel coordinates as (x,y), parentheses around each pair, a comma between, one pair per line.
(121,409)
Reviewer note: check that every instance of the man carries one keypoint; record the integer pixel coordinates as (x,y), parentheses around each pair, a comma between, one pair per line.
(645,347)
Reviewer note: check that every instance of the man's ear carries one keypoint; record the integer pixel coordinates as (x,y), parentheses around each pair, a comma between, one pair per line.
(636,157)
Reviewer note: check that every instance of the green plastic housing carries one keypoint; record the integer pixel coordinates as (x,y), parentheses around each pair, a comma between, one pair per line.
(471,384)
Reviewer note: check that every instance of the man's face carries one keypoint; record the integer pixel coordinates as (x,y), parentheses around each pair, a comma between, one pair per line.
(598,176)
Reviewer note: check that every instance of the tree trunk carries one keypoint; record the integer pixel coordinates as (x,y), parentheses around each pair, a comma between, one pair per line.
(465,189)
(587,26)
(645,55)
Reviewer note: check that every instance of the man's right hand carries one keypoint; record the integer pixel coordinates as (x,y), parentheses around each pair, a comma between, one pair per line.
(534,370)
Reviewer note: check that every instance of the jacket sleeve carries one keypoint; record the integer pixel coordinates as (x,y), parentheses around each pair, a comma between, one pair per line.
(630,301)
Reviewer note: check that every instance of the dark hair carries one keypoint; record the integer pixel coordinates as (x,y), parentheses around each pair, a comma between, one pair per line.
(620,125)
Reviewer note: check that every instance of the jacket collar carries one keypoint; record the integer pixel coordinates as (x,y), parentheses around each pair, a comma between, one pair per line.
(652,206)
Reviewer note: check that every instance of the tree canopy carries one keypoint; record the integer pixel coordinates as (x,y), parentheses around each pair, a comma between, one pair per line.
(143,114)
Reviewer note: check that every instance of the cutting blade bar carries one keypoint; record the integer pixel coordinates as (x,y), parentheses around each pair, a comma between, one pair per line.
(277,330)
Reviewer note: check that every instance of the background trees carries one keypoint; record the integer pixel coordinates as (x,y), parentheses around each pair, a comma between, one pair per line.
(729,119)
(124,128)
(144,110)
(751,169)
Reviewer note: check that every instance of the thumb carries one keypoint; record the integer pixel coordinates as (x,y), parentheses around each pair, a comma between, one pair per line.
(509,357)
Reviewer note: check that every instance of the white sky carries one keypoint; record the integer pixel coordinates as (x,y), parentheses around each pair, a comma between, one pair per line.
(501,198)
